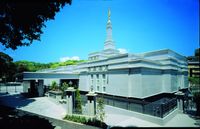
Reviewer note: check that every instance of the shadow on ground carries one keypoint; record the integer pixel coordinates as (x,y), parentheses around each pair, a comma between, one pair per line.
(13,119)
(14,100)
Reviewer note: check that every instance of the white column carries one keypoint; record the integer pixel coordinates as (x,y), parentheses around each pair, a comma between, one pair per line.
(70,100)
(91,102)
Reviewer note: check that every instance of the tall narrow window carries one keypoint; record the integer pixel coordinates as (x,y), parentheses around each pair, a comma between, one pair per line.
(104,89)
(92,82)
(104,79)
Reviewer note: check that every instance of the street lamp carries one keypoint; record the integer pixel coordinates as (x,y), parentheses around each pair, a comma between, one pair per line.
(70,83)
(16,83)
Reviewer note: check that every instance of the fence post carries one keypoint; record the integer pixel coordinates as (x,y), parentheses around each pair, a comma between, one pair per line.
(70,92)
(91,99)
(161,112)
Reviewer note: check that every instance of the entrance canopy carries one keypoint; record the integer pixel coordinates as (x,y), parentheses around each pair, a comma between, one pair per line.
(42,75)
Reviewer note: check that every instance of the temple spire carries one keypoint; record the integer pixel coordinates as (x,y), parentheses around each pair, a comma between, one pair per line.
(109,43)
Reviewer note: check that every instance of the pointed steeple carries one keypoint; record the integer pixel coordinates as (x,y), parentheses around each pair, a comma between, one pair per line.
(109,43)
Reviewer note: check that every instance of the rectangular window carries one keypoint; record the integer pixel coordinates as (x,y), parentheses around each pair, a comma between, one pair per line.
(97,88)
(104,76)
(104,89)
(104,82)
(98,82)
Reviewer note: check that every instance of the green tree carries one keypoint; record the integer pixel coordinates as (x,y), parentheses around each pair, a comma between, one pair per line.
(100,109)
(22,22)
(7,67)
(78,105)
(194,80)
(197,101)
(195,89)
(63,87)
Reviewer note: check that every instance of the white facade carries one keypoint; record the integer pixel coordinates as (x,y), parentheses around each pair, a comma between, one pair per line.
(140,76)
(129,75)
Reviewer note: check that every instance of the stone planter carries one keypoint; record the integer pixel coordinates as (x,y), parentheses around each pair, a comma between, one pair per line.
(55,94)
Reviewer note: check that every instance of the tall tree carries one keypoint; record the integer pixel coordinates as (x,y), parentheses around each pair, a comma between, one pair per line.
(195,89)
(78,101)
(100,110)
(22,22)
(7,67)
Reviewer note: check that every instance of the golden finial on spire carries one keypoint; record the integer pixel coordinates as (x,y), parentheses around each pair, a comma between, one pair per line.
(109,13)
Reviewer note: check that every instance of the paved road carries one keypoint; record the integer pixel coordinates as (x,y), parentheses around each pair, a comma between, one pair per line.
(124,118)
(43,107)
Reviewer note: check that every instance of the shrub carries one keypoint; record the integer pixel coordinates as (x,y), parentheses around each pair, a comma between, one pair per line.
(87,121)
(54,85)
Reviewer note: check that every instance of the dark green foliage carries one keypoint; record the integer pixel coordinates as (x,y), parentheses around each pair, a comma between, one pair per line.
(54,86)
(10,69)
(69,62)
(63,87)
(197,54)
(197,101)
(30,66)
(22,22)
(7,67)
(194,80)
(78,102)
(87,121)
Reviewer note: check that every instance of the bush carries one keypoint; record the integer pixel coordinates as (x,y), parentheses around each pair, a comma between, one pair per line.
(87,121)
(54,85)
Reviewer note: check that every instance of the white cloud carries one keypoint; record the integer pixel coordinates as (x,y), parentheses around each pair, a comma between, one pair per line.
(63,59)
(122,50)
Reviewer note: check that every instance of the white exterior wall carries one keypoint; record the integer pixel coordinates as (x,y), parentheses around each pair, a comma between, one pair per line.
(48,82)
(84,84)
(26,86)
(118,84)
(166,83)
(151,82)
(136,89)
(185,81)
(174,83)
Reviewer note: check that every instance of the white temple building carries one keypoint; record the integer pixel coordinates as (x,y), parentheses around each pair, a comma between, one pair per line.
(130,81)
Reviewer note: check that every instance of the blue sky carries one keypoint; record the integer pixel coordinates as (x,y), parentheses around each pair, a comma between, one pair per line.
(138,26)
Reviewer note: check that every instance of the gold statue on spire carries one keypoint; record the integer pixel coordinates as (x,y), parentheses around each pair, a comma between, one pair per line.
(109,13)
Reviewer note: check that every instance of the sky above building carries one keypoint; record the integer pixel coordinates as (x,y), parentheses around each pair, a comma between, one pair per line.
(138,26)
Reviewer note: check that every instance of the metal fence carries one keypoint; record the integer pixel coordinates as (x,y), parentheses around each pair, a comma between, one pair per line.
(11,87)
(159,108)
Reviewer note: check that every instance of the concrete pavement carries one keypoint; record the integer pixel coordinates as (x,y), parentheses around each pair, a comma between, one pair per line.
(114,116)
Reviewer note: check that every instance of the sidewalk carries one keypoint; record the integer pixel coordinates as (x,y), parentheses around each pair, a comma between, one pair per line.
(40,105)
